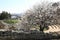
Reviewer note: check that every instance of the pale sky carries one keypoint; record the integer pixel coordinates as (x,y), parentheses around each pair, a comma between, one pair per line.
(19,6)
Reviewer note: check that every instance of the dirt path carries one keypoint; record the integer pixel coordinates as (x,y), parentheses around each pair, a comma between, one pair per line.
(53,28)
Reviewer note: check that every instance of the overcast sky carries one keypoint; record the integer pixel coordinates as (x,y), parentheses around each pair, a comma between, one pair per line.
(19,6)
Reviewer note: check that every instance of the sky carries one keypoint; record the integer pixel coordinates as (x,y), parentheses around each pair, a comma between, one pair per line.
(18,6)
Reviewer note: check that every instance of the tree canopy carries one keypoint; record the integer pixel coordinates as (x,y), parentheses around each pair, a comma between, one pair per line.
(5,15)
(43,15)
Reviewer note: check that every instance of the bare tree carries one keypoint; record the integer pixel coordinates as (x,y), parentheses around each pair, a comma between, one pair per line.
(43,15)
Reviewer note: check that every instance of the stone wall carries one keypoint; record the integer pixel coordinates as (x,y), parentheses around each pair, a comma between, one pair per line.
(28,35)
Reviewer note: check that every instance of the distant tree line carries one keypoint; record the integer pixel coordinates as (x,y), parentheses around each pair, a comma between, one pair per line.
(5,15)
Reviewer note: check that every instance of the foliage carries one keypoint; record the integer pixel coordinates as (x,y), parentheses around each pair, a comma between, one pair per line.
(5,15)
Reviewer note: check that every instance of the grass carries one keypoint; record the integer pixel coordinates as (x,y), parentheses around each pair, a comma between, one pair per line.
(45,29)
(11,21)
(37,27)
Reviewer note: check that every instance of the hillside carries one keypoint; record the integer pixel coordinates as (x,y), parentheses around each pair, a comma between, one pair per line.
(54,8)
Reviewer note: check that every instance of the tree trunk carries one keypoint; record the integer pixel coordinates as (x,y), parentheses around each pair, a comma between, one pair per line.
(41,28)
